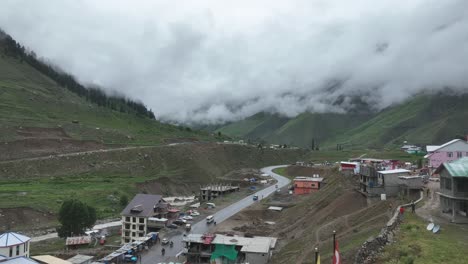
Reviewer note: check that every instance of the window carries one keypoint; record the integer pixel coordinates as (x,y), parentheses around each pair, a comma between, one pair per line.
(133,234)
(459,154)
(449,154)
(11,252)
(127,226)
(127,219)
(17,250)
(134,219)
(448,184)
(133,226)
(142,220)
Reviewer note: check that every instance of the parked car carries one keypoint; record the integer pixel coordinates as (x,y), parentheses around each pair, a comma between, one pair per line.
(211,205)
(195,213)
(165,241)
(172,226)
(187,217)
(180,222)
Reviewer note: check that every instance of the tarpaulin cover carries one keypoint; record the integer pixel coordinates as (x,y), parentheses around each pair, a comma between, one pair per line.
(227,251)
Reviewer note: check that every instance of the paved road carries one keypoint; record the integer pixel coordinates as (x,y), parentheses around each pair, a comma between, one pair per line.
(154,255)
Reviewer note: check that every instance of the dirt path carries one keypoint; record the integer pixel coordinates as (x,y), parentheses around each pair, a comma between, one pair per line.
(431,205)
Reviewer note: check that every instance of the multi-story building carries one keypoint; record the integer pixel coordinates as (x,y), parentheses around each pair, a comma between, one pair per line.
(452,150)
(145,213)
(210,248)
(369,178)
(454,190)
(13,245)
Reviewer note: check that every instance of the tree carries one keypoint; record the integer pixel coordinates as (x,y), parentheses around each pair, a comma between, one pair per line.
(123,200)
(74,217)
(420,163)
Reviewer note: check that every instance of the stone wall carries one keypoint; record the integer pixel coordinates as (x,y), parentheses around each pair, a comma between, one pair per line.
(369,251)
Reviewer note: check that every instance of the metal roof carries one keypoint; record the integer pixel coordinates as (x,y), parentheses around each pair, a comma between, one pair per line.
(312,179)
(394,171)
(446,144)
(457,168)
(19,260)
(11,239)
(432,148)
(50,259)
(78,259)
(143,205)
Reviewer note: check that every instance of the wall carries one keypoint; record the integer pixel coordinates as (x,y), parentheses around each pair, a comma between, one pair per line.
(256,258)
(370,250)
(440,156)
(22,251)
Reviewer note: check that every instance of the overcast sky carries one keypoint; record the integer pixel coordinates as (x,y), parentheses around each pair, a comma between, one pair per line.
(218,60)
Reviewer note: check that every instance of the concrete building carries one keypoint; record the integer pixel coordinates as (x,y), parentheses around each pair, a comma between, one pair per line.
(368,175)
(13,245)
(48,259)
(145,213)
(349,168)
(454,190)
(306,185)
(210,192)
(390,182)
(228,249)
(450,151)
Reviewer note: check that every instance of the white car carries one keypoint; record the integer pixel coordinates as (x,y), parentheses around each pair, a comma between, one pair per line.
(195,213)
(187,217)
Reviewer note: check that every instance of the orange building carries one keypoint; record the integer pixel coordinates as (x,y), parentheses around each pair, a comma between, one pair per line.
(305,185)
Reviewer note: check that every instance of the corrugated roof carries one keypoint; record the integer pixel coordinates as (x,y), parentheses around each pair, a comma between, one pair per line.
(11,239)
(457,168)
(394,171)
(20,260)
(143,205)
(78,259)
(48,259)
(432,148)
(446,144)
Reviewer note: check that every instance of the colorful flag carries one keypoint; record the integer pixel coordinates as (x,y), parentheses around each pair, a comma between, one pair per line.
(336,255)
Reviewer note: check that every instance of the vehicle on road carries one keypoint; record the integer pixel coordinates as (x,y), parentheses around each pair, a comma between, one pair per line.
(255,197)
(209,219)
(172,226)
(179,222)
(164,241)
(188,227)
(187,217)
(194,213)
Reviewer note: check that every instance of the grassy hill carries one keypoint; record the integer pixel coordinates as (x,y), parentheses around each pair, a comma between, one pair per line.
(424,119)
(30,99)
(298,131)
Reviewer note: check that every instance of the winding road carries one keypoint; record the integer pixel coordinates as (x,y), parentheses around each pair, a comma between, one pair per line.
(154,255)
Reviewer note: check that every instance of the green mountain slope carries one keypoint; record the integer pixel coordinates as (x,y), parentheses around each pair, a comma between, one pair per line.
(30,99)
(297,131)
(424,119)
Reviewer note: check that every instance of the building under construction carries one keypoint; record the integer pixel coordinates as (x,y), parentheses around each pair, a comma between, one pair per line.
(213,191)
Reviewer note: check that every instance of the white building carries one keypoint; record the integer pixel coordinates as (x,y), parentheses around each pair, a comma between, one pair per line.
(13,245)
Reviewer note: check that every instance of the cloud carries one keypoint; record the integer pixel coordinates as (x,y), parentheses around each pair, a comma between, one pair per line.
(211,61)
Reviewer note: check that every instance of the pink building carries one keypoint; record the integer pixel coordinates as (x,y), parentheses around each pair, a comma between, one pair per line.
(449,151)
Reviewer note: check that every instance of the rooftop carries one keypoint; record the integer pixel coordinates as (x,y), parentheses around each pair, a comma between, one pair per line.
(78,259)
(249,244)
(312,179)
(143,205)
(444,145)
(394,171)
(457,168)
(432,148)
(19,260)
(50,259)
(11,239)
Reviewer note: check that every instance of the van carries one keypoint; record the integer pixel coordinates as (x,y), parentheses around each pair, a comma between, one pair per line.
(209,219)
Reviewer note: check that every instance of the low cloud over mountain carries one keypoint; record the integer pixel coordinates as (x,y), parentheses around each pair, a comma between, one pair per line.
(210,61)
